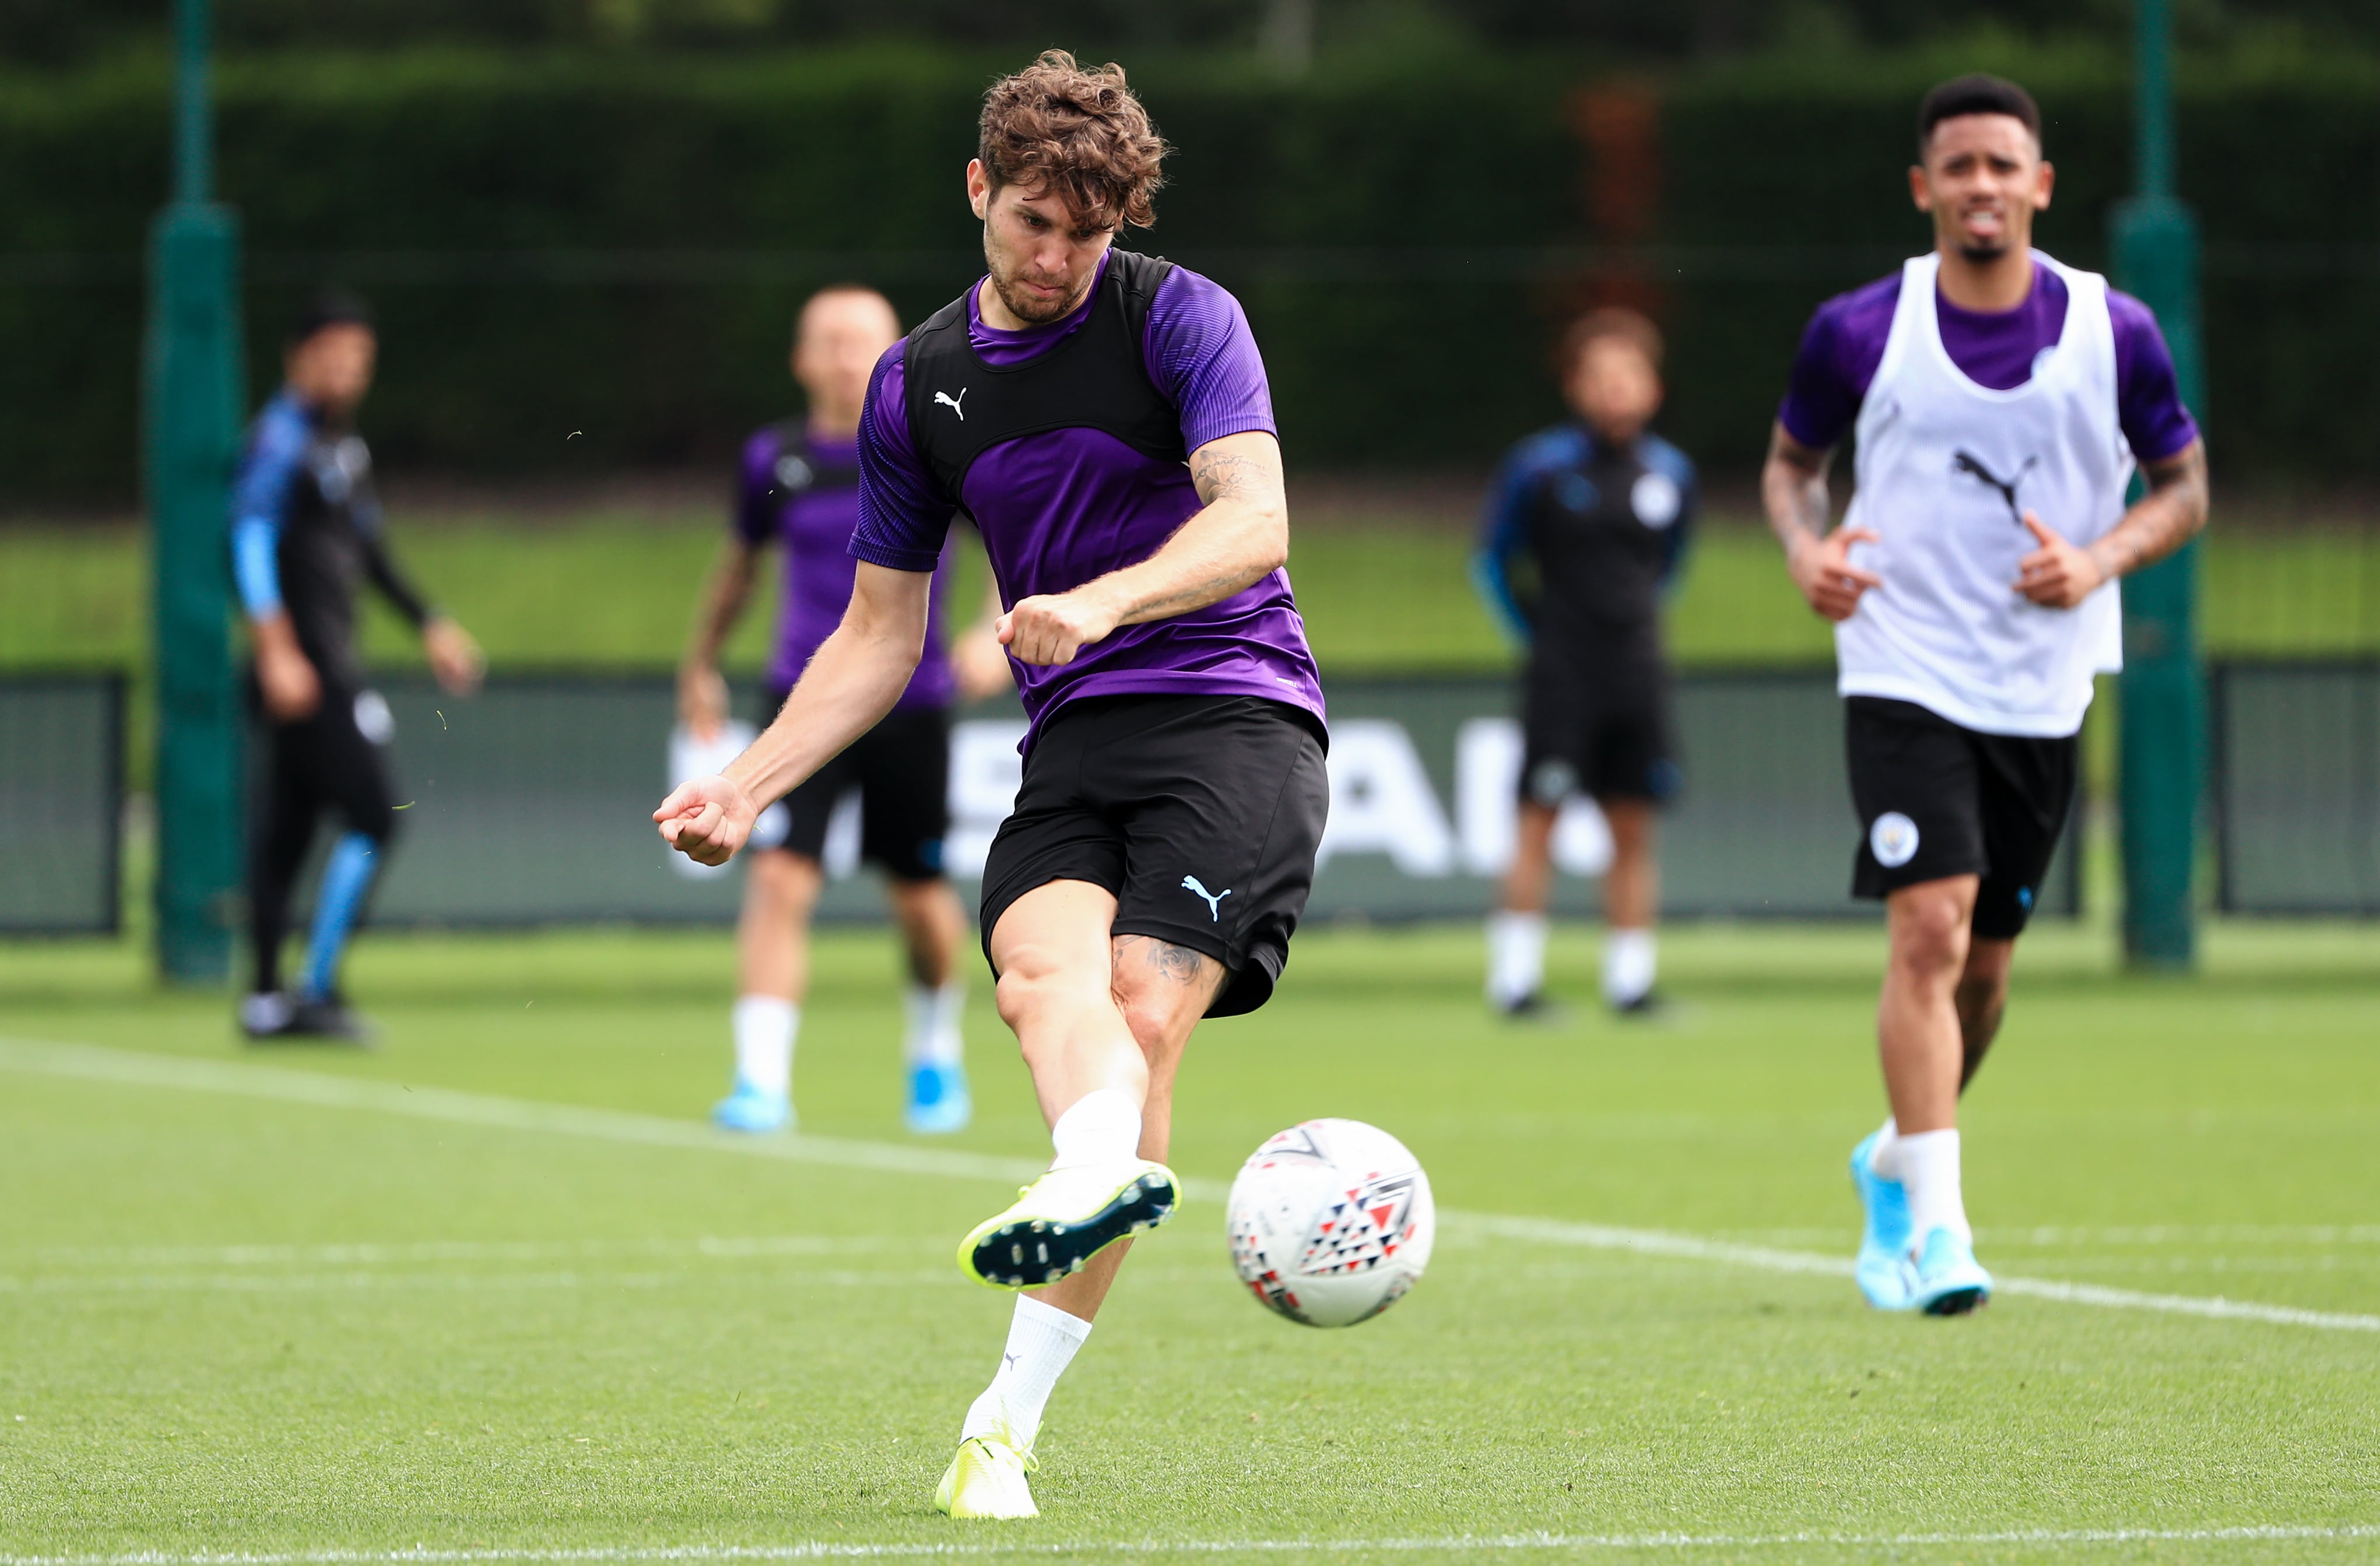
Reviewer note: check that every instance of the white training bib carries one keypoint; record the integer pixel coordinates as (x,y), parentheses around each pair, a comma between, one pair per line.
(1945,468)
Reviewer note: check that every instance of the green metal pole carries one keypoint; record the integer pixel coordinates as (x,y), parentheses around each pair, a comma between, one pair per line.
(192,393)
(2154,240)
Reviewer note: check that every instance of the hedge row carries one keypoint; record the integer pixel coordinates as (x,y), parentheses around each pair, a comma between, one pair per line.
(614,248)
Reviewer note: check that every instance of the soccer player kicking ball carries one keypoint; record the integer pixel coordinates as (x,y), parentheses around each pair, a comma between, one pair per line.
(305,527)
(1104,418)
(2000,402)
(799,486)
(1586,528)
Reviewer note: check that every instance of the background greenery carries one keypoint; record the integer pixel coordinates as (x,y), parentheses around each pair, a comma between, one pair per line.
(615,588)
(586,257)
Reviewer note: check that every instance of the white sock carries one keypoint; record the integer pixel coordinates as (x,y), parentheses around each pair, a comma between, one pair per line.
(1628,964)
(1516,956)
(933,1037)
(1103,1126)
(1041,1343)
(765,1025)
(1886,1158)
(1929,1167)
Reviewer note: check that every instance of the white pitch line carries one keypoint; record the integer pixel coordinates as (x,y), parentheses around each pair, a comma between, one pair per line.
(1653,1242)
(95,1063)
(137,1068)
(1671,1542)
(376,1253)
(445,1283)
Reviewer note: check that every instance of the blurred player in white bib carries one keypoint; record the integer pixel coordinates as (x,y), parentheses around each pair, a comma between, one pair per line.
(799,488)
(2002,401)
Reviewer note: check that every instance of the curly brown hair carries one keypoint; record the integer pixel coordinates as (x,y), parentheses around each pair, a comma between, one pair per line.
(1055,126)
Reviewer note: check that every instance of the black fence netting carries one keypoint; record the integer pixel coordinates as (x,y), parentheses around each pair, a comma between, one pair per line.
(2297,787)
(61,792)
(530,804)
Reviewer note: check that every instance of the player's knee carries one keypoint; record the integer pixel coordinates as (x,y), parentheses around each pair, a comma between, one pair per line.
(1929,934)
(378,823)
(1029,993)
(785,882)
(1155,1019)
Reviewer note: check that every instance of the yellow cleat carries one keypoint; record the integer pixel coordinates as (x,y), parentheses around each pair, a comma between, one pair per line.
(987,1479)
(1064,1219)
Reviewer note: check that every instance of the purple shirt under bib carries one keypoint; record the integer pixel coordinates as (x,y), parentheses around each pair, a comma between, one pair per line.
(814,527)
(1059,508)
(1845,340)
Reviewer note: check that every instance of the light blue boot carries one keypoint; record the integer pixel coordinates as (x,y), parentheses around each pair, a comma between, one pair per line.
(938,1100)
(1885,1274)
(750,1110)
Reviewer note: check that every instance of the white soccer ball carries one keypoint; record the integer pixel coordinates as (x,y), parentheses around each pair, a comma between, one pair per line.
(1331,1222)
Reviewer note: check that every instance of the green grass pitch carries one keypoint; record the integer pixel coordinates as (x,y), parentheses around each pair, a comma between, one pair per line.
(497,1290)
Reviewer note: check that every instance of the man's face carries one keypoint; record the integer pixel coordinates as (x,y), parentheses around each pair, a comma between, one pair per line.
(1983,180)
(333,369)
(842,334)
(1041,260)
(1615,388)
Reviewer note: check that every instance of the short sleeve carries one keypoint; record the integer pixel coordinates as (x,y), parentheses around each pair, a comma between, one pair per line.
(1820,403)
(1838,359)
(903,516)
(756,483)
(1202,356)
(2148,393)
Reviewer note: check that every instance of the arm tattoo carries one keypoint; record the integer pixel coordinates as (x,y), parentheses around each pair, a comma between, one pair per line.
(1793,484)
(2169,516)
(1225,476)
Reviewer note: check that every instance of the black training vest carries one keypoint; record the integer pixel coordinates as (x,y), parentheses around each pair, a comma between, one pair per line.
(799,469)
(959,406)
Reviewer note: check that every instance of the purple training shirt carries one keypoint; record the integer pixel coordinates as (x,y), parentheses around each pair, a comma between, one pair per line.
(1845,342)
(814,524)
(1059,508)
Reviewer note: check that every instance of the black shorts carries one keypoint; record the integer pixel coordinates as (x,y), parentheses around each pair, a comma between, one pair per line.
(1200,813)
(335,759)
(1607,736)
(901,769)
(1936,799)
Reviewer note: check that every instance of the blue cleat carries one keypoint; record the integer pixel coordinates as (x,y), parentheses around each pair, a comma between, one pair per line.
(748,1109)
(1884,1273)
(1950,1281)
(938,1100)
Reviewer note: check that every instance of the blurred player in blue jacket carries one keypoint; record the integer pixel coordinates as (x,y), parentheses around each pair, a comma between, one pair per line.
(1585,532)
(306,529)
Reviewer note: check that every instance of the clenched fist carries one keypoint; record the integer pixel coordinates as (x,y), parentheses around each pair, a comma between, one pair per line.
(1052,627)
(707,819)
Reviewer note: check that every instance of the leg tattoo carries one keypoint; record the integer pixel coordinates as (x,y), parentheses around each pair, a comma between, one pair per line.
(1981,1004)
(1179,965)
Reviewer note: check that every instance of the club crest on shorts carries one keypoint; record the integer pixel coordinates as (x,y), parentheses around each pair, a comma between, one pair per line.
(373,720)
(1893,839)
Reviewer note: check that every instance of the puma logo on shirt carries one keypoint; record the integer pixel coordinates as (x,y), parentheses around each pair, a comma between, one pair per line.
(954,402)
(1214,900)
(1968,462)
